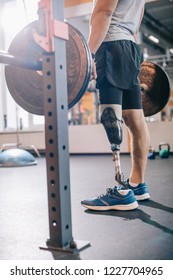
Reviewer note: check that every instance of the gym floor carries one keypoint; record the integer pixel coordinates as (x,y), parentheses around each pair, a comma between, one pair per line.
(142,234)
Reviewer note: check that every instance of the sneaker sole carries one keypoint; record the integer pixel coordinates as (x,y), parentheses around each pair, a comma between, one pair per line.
(144,196)
(127,207)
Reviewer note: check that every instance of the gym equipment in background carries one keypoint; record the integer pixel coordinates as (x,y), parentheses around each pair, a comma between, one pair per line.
(164,150)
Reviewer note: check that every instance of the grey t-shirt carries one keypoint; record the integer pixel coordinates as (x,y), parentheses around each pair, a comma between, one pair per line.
(125,20)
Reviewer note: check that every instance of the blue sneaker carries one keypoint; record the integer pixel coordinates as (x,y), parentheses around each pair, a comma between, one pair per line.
(114,199)
(140,192)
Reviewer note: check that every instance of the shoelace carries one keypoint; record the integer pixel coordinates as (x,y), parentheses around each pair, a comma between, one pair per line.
(110,191)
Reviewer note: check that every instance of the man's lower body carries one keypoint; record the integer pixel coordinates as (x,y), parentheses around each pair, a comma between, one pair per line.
(118,65)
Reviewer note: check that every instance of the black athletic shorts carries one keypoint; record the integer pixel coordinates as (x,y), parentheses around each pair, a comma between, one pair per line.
(118,65)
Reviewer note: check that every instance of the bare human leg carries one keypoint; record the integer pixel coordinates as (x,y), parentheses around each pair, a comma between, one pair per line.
(135,121)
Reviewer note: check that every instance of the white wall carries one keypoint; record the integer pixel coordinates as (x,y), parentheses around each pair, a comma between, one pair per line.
(91,138)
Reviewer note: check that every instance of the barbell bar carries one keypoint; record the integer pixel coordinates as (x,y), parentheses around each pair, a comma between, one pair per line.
(24,77)
(18,61)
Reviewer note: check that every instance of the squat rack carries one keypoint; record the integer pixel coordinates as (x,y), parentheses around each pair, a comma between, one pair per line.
(53,33)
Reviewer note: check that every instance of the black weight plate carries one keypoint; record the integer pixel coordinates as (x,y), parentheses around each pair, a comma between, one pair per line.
(155,86)
(26,86)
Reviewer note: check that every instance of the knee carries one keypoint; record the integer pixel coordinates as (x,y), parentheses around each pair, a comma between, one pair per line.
(134,118)
(126,120)
(135,121)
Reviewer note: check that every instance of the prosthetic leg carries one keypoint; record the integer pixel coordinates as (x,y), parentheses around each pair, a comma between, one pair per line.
(111,118)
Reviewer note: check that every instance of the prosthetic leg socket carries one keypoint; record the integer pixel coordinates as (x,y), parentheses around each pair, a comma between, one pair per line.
(113,127)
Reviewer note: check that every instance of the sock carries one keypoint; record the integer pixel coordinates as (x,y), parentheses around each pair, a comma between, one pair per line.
(123,192)
(133,184)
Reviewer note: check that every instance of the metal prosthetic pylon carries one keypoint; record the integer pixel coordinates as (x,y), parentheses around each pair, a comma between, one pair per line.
(119,176)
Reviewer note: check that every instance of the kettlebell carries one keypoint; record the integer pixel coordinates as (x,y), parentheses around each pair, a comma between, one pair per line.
(152,153)
(164,150)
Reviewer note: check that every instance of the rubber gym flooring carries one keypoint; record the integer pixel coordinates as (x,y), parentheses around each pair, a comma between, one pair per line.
(142,234)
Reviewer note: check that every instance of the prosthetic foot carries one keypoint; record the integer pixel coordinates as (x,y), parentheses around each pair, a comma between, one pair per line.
(113,127)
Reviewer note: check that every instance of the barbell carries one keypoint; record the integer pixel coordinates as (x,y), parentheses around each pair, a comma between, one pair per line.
(24,77)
